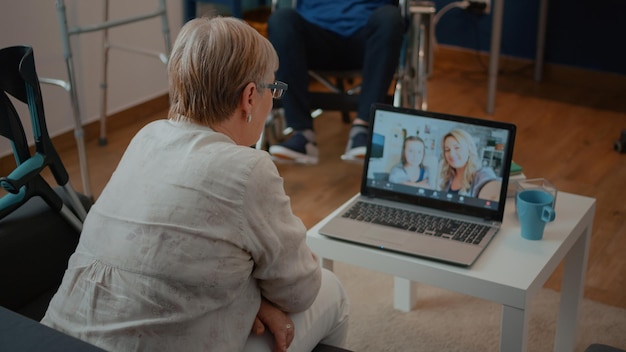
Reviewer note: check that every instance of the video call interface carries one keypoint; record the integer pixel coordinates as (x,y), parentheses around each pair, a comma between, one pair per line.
(419,156)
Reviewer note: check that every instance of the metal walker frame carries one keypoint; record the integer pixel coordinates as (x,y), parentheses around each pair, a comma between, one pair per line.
(70,84)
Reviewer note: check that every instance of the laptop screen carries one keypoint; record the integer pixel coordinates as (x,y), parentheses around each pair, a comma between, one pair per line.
(441,161)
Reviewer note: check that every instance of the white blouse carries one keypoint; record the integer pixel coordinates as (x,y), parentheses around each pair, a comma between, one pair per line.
(175,254)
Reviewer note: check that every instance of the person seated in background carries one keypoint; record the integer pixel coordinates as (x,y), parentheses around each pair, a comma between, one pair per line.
(193,245)
(462,172)
(411,170)
(333,35)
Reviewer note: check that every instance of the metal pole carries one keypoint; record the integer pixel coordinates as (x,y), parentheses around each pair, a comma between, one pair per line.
(78,126)
(541,39)
(494,55)
(102,140)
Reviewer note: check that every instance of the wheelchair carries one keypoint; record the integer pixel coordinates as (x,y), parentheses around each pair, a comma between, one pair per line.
(341,94)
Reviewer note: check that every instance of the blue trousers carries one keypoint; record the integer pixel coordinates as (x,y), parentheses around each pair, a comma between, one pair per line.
(303,46)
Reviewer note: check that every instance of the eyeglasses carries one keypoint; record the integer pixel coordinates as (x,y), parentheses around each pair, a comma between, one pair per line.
(277,88)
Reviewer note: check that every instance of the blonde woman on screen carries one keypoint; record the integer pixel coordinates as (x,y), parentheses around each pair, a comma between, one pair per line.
(462,172)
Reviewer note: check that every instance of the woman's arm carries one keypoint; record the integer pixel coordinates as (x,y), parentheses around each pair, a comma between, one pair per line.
(286,270)
(491,190)
(423,183)
(398,175)
(486,184)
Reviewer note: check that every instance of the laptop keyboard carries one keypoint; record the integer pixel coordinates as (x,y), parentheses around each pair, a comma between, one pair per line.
(416,222)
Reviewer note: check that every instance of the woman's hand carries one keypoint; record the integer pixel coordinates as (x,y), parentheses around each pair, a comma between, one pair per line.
(423,183)
(278,322)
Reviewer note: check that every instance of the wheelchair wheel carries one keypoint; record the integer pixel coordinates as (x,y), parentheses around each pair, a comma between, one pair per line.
(414,66)
(275,127)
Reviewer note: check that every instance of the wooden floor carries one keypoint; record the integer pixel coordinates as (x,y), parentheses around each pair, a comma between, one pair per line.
(566,128)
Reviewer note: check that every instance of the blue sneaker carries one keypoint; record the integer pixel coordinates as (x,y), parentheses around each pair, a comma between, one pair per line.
(357,144)
(300,148)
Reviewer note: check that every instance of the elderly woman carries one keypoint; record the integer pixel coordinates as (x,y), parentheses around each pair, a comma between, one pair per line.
(192,245)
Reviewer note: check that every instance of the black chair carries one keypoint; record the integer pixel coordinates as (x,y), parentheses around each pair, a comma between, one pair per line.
(20,334)
(35,245)
(39,225)
(599,347)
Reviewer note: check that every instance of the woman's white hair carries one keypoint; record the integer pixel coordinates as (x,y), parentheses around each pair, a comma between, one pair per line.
(212,61)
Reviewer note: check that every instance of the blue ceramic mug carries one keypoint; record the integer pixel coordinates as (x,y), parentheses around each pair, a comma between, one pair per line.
(534,210)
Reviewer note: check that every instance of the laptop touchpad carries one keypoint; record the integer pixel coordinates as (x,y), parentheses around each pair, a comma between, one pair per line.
(379,236)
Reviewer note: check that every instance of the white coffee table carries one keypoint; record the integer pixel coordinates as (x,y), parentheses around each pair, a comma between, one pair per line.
(510,271)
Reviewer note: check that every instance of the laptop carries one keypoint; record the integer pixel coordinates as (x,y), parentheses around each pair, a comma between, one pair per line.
(427,213)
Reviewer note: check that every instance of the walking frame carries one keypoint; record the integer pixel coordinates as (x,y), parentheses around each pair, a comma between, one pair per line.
(70,84)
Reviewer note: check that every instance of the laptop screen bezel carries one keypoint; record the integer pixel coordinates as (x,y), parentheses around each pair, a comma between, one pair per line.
(489,214)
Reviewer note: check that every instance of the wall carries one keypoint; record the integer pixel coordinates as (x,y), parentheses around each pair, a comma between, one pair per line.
(583,34)
(133,78)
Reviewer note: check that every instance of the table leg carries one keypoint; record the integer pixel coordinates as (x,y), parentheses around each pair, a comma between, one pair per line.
(572,292)
(494,54)
(404,294)
(513,329)
(541,39)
